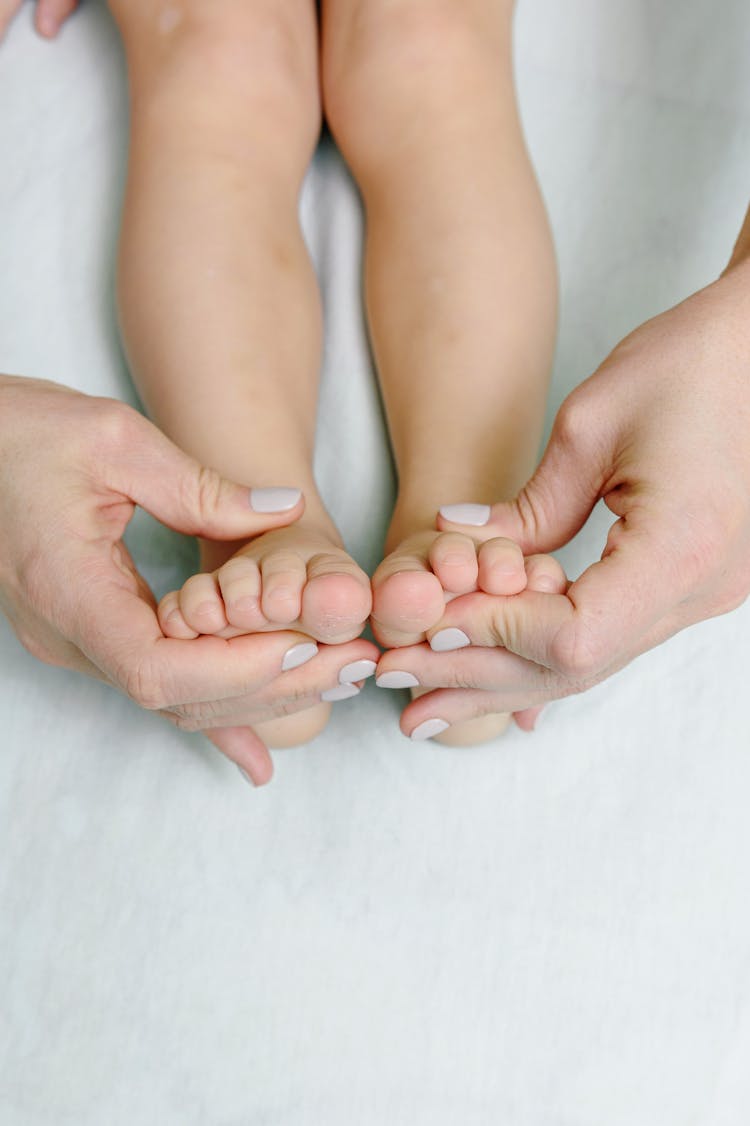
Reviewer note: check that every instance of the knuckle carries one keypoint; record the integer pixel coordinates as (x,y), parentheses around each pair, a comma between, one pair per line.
(144,686)
(116,424)
(573,421)
(185,719)
(208,490)
(578,654)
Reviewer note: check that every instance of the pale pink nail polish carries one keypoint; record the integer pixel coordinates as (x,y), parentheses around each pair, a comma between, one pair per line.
(428,729)
(447,639)
(274,500)
(357,670)
(397,679)
(473,514)
(340,692)
(298,655)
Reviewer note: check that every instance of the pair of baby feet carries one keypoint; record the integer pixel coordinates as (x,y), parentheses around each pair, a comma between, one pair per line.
(300,578)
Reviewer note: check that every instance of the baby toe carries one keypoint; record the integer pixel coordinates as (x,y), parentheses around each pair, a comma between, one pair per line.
(337,599)
(501,567)
(545,574)
(283,578)
(405,605)
(201,604)
(240,585)
(453,558)
(171,620)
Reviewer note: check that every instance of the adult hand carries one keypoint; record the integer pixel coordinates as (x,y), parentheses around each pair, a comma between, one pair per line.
(661,433)
(49,17)
(72,470)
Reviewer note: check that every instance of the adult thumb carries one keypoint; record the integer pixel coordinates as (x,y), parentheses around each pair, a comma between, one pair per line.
(553,505)
(153,472)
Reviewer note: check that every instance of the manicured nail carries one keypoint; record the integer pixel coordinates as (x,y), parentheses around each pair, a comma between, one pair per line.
(340,692)
(447,639)
(474,514)
(428,729)
(274,500)
(397,679)
(298,655)
(247,777)
(357,670)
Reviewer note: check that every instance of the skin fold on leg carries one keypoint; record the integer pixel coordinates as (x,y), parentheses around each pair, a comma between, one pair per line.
(460,281)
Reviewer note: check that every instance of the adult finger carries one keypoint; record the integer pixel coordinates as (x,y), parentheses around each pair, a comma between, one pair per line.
(434,713)
(556,502)
(602,618)
(117,630)
(523,683)
(51,14)
(139,462)
(330,669)
(246,749)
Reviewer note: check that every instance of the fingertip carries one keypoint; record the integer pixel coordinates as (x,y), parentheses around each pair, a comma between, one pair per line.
(278,501)
(246,750)
(46,23)
(527,719)
(466,515)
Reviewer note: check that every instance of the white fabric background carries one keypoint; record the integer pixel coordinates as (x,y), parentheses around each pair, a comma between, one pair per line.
(549,931)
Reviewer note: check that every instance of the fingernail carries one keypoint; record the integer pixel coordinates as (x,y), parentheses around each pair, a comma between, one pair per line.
(298,655)
(474,514)
(446,639)
(397,679)
(247,777)
(340,692)
(428,729)
(357,670)
(274,500)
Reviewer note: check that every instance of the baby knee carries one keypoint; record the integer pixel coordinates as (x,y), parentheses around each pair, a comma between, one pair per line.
(389,61)
(241,50)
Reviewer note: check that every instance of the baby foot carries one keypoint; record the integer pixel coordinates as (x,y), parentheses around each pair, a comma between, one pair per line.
(296,578)
(408,605)
(412,584)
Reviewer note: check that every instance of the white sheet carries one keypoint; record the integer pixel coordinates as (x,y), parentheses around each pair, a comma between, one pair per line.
(549,931)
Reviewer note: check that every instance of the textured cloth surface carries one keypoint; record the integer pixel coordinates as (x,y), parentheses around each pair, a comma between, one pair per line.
(548,931)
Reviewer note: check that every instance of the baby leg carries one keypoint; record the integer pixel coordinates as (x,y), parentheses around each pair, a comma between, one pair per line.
(460,275)
(219,305)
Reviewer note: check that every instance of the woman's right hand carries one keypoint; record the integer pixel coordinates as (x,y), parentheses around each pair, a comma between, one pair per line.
(72,470)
